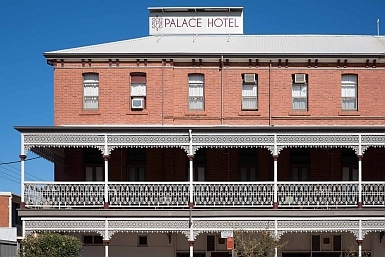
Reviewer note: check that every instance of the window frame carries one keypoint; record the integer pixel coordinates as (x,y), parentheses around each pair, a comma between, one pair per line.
(87,83)
(300,97)
(138,89)
(254,94)
(349,84)
(193,97)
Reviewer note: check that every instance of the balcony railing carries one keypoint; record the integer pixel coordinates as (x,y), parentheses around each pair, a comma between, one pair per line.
(206,194)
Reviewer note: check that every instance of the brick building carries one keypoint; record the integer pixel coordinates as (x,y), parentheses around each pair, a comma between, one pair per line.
(10,224)
(163,143)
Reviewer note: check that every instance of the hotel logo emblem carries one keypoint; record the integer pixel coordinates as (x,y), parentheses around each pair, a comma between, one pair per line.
(157,23)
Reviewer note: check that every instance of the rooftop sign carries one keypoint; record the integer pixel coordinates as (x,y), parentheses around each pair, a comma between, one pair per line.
(204,20)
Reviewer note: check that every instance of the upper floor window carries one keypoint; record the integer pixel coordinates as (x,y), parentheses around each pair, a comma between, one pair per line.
(195,91)
(349,91)
(299,92)
(90,91)
(249,92)
(138,90)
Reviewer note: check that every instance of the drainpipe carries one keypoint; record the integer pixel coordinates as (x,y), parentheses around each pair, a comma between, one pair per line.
(163,64)
(222,89)
(270,93)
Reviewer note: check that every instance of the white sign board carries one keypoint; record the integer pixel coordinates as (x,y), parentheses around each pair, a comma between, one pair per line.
(226,233)
(196,23)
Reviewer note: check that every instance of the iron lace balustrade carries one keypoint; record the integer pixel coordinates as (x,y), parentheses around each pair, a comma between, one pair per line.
(63,194)
(148,194)
(206,194)
(233,194)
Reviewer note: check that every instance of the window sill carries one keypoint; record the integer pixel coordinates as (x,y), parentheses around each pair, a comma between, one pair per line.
(142,112)
(349,113)
(299,113)
(249,113)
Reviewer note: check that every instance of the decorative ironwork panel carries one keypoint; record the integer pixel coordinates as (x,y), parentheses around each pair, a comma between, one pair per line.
(134,225)
(234,139)
(233,194)
(63,225)
(220,225)
(317,225)
(373,139)
(318,194)
(59,139)
(148,194)
(373,194)
(157,139)
(61,195)
(317,139)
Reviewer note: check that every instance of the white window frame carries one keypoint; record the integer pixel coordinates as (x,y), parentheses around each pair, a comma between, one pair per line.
(249,94)
(299,94)
(90,91)
(349,84)
(138,91)
(196,100)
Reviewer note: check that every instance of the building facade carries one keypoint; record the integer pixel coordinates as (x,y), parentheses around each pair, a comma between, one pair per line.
(165,144)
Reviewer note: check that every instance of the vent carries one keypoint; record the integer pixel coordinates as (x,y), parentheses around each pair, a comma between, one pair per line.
(300,78)
(249,78)
(137,103)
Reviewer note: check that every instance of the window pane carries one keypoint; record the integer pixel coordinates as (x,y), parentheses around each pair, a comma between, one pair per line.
(196,103)
(89,174)
(138,89)
(349,104)
(99,174)
(299,103)
(195,78)
(90,102)
(249,90)
(196,90)
(249,103)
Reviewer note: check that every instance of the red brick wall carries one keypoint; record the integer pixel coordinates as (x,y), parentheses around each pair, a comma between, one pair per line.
(324,95)
(4,211)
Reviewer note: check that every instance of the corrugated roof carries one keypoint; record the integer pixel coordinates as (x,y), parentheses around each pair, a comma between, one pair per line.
(236,45)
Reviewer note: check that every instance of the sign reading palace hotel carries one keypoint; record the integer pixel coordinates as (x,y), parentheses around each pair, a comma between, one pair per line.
(205,20)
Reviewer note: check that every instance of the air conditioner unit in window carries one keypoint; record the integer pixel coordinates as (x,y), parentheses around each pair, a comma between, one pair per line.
(299,78)
(249,78)
(137,103)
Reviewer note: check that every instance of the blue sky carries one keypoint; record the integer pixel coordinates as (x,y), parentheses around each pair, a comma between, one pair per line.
(30,28)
